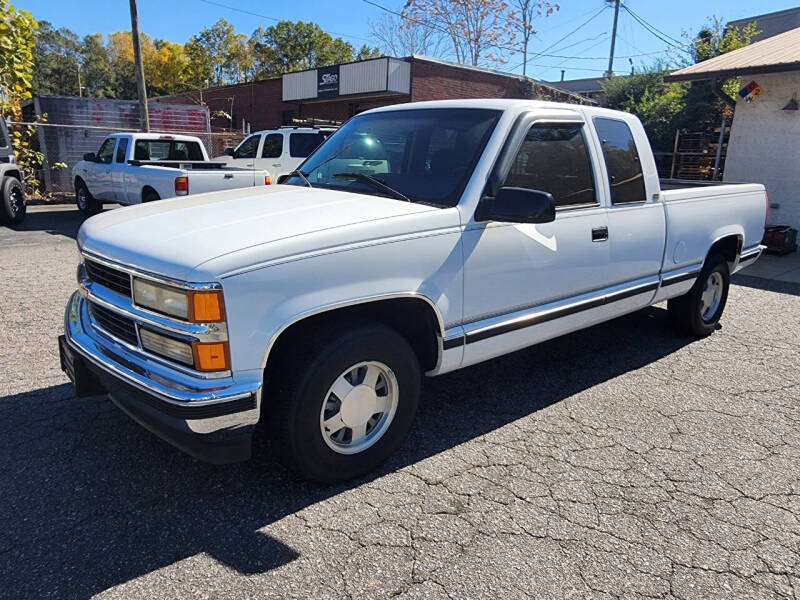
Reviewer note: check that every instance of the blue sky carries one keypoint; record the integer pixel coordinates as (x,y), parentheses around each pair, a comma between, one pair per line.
(177,20)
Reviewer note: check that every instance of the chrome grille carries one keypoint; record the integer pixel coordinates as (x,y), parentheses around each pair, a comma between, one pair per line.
(117,325)
(113,279)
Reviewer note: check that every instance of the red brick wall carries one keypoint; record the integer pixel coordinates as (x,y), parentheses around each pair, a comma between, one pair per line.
(260,103)
(435,81)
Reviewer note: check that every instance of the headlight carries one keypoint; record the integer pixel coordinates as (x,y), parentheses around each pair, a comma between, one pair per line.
(196,306)
(161,298)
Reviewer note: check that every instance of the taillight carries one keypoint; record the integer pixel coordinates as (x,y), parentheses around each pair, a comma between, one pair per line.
(181,186)
(267,180)
(766,212)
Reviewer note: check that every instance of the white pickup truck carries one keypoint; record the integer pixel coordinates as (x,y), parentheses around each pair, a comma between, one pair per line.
(278,151)
(130,168)
(480,227)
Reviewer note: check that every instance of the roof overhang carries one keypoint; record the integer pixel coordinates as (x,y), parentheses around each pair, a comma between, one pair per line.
(727,73)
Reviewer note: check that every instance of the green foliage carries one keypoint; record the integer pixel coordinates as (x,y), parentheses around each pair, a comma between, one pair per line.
(658,105)
(57,58)
(17,35)
(17,31)
(663,107)
(293,46)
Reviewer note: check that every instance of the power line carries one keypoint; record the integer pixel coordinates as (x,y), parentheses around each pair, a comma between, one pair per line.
(670,41)
(275,20)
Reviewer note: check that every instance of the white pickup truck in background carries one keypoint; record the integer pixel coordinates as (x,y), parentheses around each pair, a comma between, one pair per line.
(278,151)
(476,228)
(130,168)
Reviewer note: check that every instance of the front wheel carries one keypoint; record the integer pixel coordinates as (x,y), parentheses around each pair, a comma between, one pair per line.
(344,402)
(699,310)
(12,202)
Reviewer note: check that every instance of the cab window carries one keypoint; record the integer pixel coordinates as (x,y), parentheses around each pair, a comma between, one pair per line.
(273,146)
(622,161)
(106,151)
(554,158)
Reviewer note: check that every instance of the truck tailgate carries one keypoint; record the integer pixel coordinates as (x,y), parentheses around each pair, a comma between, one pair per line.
(228,179)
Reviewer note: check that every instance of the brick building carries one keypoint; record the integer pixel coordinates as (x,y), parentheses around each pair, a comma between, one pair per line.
(338,92)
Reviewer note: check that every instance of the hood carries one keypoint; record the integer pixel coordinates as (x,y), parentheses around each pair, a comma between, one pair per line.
(176,236)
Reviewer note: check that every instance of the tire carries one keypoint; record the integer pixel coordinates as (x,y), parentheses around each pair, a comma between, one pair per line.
(150,195)
(343,358)
(12,202)
(699,310)
(86,203)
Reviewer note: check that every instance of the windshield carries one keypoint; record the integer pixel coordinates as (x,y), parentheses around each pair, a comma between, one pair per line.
(426,155)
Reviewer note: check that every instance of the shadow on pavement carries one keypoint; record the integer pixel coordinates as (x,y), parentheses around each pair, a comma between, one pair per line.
(55,222)
(90,500)
(769,285)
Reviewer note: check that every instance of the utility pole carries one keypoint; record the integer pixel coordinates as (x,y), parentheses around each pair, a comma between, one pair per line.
(144,119)
(80,93)
(610,71)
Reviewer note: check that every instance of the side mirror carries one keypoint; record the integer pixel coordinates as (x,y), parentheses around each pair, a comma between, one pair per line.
(90,157)
(517,205)
(228,152)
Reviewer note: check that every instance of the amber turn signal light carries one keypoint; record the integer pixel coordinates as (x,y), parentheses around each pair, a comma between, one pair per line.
(205,306)
(211,356)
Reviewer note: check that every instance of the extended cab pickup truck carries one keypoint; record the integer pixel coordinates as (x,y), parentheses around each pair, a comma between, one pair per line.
(142,167)
(479,227)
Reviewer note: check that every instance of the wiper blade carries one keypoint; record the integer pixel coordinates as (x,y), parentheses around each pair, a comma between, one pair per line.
(301,175)
(376,183)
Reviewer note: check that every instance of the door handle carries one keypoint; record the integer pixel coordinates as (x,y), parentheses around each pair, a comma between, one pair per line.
(248,164)
(229,176)
(599,234)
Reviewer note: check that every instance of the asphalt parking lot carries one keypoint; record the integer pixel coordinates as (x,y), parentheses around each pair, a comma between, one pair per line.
(622,461)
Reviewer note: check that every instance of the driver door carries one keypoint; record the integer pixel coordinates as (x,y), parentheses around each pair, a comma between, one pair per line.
(99,180)
(524,283)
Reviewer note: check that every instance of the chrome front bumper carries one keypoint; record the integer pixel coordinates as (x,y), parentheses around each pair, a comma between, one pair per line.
(192,412)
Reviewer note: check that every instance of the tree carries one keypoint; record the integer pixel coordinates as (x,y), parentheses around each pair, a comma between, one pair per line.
(367,52)
(220,44)
(17,40)
(658,105)
(521,18)
(476,29)
(56,55)
(666,107)
(199,69)
(293,46)
(400,37)
(97,73)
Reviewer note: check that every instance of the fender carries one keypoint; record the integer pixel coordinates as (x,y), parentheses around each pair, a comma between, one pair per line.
(356,301)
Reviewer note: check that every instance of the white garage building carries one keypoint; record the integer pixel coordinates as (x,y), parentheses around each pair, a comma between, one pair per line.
(764,145)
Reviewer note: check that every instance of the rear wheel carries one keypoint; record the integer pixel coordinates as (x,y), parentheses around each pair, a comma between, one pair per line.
(87,204)
(150,195)
(12,203)
(342,402)
(699,310)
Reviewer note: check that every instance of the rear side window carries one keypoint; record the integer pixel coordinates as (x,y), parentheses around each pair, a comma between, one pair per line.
(122,148)
(303,144)
(273,146)
(622,161)
(554,158)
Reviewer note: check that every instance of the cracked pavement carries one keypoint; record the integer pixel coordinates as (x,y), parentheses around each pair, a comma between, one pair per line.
(624,461)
